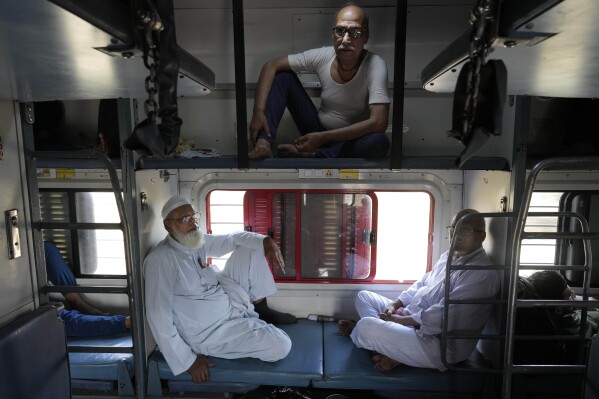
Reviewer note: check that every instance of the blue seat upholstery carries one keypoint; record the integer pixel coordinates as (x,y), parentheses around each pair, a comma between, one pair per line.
(299,368)
(100,371)
(33,357)
(346,366)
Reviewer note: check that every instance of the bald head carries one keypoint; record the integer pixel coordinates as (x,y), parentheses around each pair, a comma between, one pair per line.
(477,223)
(471,234)
(353,12)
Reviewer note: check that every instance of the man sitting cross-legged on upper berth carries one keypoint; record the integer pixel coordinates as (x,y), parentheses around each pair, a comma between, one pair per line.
(194,310)
(354,110)
(408,329)
(81,319)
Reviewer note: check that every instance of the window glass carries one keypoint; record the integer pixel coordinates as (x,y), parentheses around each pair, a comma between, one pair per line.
(226,216)
(97,252)
(404,223)
(540,252)
(335,233)
(101,251)
(375,236)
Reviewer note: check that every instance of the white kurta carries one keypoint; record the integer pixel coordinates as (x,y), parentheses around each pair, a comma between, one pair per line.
(424,301)
(198,310)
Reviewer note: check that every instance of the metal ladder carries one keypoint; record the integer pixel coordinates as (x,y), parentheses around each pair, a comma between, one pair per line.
(513,303)
(133,273)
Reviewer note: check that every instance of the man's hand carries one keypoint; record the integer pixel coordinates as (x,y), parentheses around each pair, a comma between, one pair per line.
(273,254)
(393,306)
(309,142)
(258,123)
(199,370)
(403,320)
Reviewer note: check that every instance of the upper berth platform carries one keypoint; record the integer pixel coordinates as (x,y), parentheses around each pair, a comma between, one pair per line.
(549,47)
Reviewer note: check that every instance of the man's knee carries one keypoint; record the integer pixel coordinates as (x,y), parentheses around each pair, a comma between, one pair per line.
(281,345)
(373,145)
(365,330)
(363,297)
(286,77)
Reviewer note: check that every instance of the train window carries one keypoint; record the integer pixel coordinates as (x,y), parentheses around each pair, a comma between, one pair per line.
(97,252)
(333,235)
(540,252)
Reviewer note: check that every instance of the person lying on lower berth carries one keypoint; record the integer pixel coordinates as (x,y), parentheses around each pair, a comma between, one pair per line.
(81,319)
(407,330)
(194,310)
(559,320)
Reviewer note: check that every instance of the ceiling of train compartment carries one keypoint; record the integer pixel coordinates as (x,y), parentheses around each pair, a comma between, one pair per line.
(49,53)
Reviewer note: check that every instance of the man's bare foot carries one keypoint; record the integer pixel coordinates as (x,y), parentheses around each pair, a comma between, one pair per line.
(102,145)
(346,327)
(290,151)
(261,150)
(79,304)
(383,363)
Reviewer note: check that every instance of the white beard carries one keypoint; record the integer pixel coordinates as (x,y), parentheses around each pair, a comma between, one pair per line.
(194,239)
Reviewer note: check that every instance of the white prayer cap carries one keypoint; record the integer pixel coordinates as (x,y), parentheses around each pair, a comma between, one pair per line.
(173,203)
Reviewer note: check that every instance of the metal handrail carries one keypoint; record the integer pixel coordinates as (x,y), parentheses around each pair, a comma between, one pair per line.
(508,367)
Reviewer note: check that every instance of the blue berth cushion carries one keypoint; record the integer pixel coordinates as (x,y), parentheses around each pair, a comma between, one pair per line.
(100,371)
(346,366)
(299,368)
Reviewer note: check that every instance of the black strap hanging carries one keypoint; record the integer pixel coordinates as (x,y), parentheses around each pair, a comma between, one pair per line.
(481,87)
(156,28)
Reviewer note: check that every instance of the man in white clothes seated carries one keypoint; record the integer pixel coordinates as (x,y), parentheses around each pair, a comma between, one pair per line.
(194,310)
(408,329)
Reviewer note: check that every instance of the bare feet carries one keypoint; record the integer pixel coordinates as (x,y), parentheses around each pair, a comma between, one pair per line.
(261,150)
(346,327)
(102,146)
(128,323)
(383,363)
(290,151)
(78,303)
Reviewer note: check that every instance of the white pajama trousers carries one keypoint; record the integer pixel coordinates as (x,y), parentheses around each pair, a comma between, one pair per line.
(263,341)
(250,269)
(393,340)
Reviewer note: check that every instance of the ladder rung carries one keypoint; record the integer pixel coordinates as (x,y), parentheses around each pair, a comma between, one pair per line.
(542,368)
(553,267)
(477,267)
(96,289)
(77,226)
(475,301)
(531,303)
(553,235)
(474,336)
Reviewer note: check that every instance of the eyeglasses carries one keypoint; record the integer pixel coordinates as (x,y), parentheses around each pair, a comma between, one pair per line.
(465,231)
(354,33)
(188,218)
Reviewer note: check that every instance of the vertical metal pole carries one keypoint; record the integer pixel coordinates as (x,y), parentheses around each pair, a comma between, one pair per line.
(132,250)
(398,83)
(517,182)
(27,120)
(240,85)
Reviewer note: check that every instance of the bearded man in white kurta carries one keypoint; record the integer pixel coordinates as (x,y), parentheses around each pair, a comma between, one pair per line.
(194,310)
